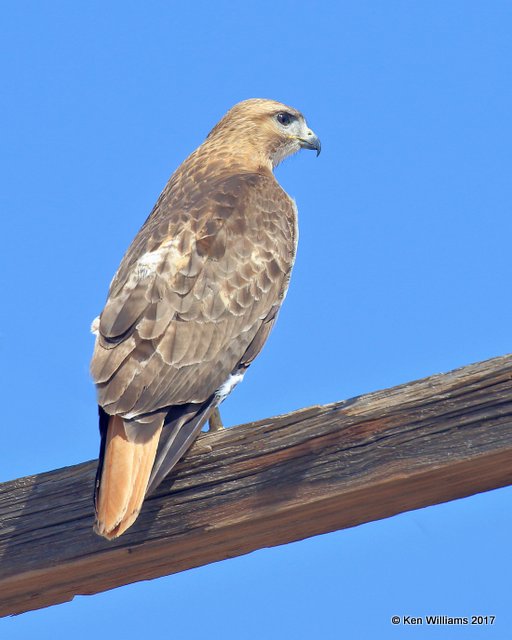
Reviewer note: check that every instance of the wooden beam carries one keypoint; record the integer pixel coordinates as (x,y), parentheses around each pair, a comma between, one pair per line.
(265,484)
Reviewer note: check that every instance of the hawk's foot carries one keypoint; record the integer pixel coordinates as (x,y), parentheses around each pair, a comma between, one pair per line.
(215,421)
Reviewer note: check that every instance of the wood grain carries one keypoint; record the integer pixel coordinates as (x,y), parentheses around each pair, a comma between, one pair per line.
(263,484)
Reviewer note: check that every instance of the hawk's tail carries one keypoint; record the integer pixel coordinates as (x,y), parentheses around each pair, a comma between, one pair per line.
(126,459)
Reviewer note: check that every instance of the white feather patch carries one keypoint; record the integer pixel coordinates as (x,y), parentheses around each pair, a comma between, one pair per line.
(95,326)
(147,264)
(225,389)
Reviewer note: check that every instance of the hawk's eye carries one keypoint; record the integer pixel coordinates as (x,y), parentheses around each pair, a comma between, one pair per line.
(285,118)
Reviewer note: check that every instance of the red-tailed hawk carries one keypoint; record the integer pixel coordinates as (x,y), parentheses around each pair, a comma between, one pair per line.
(193,302)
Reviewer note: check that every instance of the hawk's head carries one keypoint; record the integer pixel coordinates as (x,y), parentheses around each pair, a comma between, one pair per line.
(268,129)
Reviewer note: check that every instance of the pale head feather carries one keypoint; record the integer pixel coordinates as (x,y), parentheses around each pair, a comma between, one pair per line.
(252,132)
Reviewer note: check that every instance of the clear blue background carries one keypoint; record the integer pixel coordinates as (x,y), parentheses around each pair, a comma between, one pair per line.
(403,270)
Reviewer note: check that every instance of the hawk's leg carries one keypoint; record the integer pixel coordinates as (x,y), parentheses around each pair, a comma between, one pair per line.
(215,421)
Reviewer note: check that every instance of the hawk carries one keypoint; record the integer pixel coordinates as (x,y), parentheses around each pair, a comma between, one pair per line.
(193,302)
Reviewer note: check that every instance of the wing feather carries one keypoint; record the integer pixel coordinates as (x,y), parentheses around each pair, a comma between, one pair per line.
(193,293)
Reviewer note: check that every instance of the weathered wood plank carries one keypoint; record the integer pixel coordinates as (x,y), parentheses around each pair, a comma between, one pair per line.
(265,484)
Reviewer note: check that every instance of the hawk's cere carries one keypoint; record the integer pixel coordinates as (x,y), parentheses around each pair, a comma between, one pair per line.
(193,302)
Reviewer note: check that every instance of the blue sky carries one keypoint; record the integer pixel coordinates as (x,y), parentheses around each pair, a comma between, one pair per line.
(403,270)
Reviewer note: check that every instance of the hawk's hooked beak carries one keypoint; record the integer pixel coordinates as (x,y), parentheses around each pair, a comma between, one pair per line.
(311,141)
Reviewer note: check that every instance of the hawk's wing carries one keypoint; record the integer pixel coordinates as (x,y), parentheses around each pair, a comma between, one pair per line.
(192,303)
(191,295)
